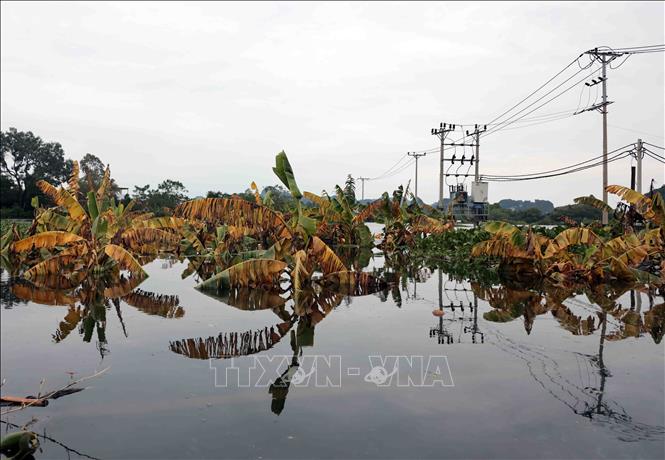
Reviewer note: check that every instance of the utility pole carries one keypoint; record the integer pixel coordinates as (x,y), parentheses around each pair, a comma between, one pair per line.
(604,57)
(476,133)
(640,156)
(442,131)
(416,156)
(362,187)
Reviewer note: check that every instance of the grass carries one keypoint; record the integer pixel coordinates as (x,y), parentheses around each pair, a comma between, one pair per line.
(6,224)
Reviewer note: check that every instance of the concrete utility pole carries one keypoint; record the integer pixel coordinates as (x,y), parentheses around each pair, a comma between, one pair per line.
(476,133)
(442,131)
(416,156)
(604,111)
(640,156)
(362,187)
(604,57)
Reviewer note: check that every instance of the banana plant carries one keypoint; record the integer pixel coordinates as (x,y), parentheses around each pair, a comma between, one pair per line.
(88,241)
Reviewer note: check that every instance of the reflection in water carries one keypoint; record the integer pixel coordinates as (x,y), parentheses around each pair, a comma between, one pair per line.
(88,302)
(166,306)
(583,389)
(588,397)
(231,344)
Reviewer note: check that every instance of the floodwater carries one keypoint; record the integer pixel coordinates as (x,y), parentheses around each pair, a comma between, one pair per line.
(504,373)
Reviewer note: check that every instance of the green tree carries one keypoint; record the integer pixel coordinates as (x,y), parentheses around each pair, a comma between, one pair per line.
(350,190)
(161,200)
(26,158)
(92,173)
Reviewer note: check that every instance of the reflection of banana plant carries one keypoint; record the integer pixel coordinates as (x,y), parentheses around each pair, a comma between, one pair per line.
(510,303)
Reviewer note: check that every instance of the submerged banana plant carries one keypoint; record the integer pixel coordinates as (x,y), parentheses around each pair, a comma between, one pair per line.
(580,254)
(88,241)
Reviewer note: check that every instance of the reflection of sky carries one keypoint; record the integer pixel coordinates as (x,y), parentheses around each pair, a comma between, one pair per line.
(162,404)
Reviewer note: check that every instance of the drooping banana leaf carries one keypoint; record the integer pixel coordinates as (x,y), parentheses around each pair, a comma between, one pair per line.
(124,259)
(62,197)
(324,257)
(593,202)
(251,273)
(47,240)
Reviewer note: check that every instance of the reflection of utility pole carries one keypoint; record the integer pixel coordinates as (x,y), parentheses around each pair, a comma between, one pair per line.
(416,156)
(474,327)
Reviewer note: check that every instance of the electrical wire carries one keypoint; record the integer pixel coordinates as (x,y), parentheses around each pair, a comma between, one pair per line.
(404,156)
(542,86)
(619,156)
(563,168)
(656,146)
(636,131)
(655,157)
(655,154)
(507,122)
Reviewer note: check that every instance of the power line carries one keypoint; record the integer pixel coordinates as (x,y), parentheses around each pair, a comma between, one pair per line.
(540,87)
(507,122)
(560,169)
(617,157)
(656,146)
(636,131)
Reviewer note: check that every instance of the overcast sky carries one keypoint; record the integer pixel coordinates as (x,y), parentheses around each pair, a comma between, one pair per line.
(208,93)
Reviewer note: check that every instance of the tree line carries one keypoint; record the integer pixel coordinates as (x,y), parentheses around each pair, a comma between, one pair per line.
(27,158)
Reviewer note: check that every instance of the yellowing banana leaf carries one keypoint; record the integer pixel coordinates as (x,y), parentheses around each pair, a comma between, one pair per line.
(251,273)
(323,203)
(593,202)
(370,210)
(257,195)
(54,266)
(569,237)
(425,224)
(499,227)
(47,240)
(74,179)
(642,203)
(236,212)
(62,197)
(173,223)
(125,260)
(137,237)
(106,182)
(499,246)
(324,257)
(300,274)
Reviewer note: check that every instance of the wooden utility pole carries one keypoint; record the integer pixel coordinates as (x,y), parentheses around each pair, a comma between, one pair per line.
(416,156)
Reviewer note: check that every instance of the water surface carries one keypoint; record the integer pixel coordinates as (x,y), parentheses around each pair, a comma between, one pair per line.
(531,375)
